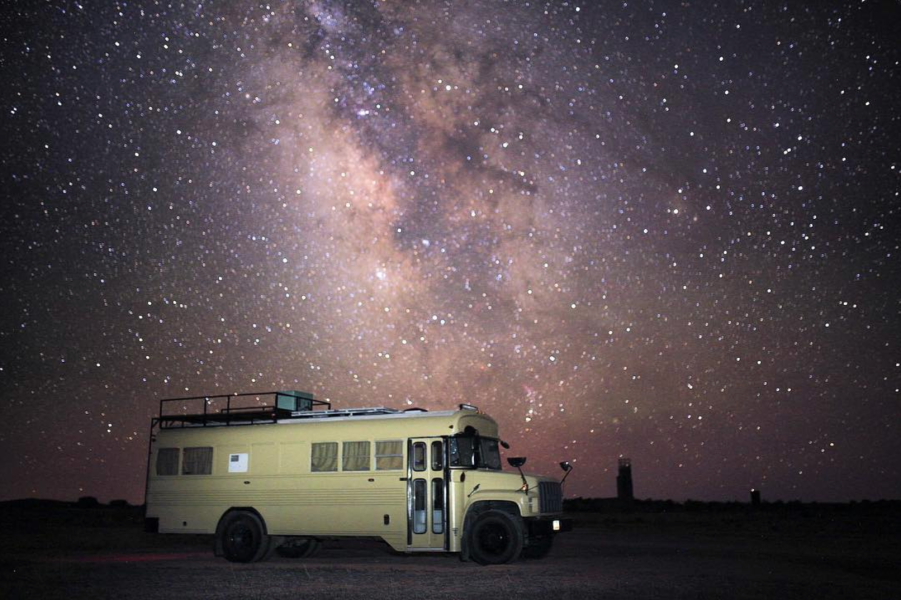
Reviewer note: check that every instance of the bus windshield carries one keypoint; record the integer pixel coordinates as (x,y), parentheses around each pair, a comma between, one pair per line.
(475,452)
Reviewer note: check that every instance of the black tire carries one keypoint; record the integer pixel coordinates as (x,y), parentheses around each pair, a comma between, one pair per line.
(495,538)
(274,542)
(538,547)
(299,547)
(243,538)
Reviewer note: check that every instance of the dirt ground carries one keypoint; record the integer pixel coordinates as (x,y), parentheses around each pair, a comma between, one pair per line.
(103,553)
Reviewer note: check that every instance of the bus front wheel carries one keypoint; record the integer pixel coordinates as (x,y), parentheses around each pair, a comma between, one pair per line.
(243,539)
(496,537)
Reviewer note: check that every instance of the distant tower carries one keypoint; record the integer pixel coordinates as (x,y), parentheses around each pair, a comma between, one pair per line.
(624,480)
(755,497)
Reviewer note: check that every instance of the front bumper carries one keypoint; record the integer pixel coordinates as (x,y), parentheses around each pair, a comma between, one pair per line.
(548,525)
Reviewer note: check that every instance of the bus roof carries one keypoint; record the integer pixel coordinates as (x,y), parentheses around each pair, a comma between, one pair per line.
(379,421)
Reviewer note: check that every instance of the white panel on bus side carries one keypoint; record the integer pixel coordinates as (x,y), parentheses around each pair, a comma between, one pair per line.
(237,463)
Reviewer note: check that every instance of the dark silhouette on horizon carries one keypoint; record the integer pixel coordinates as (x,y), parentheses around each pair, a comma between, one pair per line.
(624,491)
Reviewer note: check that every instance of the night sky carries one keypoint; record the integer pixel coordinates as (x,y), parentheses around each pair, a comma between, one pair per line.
(657,230)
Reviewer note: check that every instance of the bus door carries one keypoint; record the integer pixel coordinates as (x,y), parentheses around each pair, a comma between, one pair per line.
(427,494)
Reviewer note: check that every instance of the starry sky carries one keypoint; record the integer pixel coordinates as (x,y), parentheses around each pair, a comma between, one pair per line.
(666,231)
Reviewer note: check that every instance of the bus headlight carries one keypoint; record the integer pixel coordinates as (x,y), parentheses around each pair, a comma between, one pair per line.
(556,524)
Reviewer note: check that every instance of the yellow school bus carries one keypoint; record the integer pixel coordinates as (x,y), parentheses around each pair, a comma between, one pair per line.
(281,471)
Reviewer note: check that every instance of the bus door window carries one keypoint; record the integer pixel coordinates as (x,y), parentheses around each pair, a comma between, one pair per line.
(419,456)
(427,494)
(437,456)
(419,506)
(437,505)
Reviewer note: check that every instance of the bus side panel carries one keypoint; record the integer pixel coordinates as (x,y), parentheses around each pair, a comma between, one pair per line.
(290,501)
(335,504)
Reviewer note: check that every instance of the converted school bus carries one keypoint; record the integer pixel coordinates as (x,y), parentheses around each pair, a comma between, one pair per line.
(282,477)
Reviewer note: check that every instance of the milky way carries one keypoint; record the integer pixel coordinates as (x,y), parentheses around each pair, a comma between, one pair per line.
(650,230)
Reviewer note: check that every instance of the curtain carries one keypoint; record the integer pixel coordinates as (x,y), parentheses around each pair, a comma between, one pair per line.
(198,461)
(356,456)
(167,461)
(389,456)
(325,457)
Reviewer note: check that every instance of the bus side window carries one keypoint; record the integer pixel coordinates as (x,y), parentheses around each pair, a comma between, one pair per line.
(419,456)
(389,455)
(356,456)
(437,456)
(167,461)
(197,461)
(324,457)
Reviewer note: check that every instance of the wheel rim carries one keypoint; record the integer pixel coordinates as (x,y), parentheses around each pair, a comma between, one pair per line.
(241,539)
(494,539)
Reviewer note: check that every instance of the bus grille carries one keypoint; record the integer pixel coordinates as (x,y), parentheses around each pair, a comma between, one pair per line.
(550,497)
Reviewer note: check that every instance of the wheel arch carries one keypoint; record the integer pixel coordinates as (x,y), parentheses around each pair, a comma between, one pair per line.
(218,550)
(476,509)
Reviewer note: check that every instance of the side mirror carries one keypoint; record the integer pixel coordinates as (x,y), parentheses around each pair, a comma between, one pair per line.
(566,467)
(504,445)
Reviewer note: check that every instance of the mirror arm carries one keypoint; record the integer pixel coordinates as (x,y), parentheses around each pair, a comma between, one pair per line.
(568,471)
(525,483)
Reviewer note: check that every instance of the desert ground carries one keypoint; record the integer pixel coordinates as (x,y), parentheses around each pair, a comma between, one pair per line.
(66,551)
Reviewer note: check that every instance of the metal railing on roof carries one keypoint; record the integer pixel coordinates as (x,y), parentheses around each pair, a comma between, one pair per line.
(221,409)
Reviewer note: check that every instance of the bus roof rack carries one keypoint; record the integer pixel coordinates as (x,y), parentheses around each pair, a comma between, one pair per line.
(257,408)
(344,412)
(253,408)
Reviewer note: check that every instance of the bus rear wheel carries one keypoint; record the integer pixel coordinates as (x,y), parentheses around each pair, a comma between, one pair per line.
(495,538)
(243,538)
(299,547)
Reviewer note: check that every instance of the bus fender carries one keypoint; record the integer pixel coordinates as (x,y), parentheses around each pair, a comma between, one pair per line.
(477,508)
